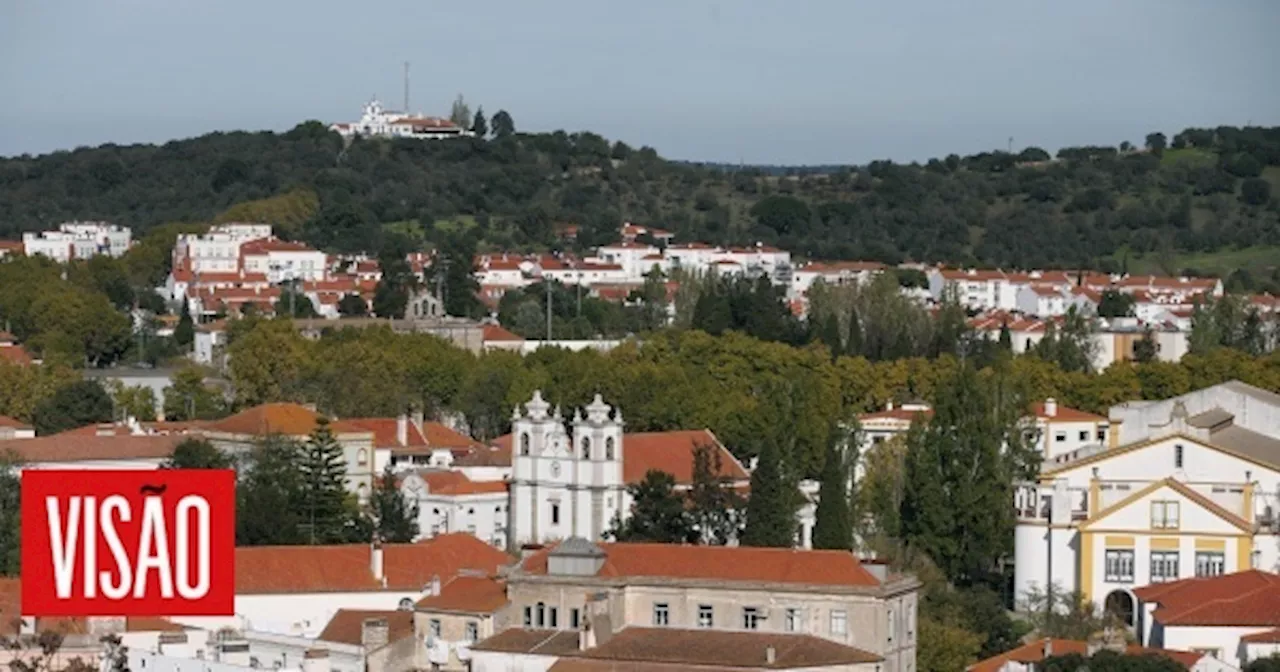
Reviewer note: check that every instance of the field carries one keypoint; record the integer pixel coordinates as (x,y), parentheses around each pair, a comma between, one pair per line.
(1220,263)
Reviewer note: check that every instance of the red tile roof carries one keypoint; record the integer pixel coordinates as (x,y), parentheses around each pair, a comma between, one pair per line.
(1266,637)
(276,418)
(347,625)
(674,648)
(11,608)
(1249,598)
(672,452)
(493,332)
(456,483)
(724,563)
(1064,414)
(265,245)
(1034,653)
(15,354)
(6,421)
(75,446)
(468,594)
(431,436)
(262,570)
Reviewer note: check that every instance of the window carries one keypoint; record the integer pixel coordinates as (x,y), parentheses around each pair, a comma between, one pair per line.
(1164,515)
(1060,437)
(1210,564)
(553,617)
(1084,436)
(473,632)
(608,448)
(750,618)
(435,627)
(524,443)
(586,448)
(542,615)
(706,616)
(793,620)
(1119,566)
(406,604)
(1177,456)
(362,457)
(893,626)
(574,619)
(528,617)
(1164,566)
(1102,435)
(661,614)
(555,513)
(839,622)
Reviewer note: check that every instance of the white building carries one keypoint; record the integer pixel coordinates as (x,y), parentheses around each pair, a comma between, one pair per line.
(448,501)
(217,250)
(283,260)
(1058,430)
(1185,487)
(375,121)
(635,259)
(79,240)
(1041,301)
(1233,618)
(836,273)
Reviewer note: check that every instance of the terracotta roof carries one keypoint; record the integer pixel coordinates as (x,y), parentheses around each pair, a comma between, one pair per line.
(720,648)
(73,446)
(456,483)
(1064,414)
(521,640)
(1266,637)
(15,354)
(431,436)
(835,267)
(1249,598)
(6,421)
(11,609)
(277,418)
(265,245)
(724,563)
(347,625)
(672,452)
(1034,652)
(264,570)
(468,594)
(493,332)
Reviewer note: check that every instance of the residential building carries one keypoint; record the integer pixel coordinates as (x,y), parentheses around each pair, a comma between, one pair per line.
(384,638)
(12,352)
(218,249)
(1234,618)
(282,260)
(1027,657)
(11,248)
(375,121)
(448,501)
(1041,301)
(1056,430)
(838,273)
(605,591)
(1184,487)
(629,232)
(455,617)
(78,240)
(15,429)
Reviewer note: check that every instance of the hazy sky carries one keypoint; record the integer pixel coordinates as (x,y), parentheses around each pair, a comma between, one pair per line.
(779,81)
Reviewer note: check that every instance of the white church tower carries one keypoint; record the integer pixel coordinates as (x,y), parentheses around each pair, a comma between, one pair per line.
(565,486)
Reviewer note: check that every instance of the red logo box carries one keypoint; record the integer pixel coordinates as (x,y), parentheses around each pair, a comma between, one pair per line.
(128,542)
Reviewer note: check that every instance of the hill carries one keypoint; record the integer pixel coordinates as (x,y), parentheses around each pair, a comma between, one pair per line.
(1208,192)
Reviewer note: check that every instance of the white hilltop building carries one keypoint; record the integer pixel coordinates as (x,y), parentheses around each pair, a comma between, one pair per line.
(1185,487)
(379,122)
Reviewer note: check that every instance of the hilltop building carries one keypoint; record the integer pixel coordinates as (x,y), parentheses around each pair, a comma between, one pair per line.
(377,122)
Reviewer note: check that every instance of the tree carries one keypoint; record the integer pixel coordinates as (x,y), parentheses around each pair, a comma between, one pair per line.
(1271,664)
(185,334)
(833,528)
(715,508)
(270,506)
(1146,349)
(460,114)
(10,525)
(479,126)
(1106,660)
(133,401)
(73,405)
(945,648)
(323,469)
(1156,142)
(1006,337)
(454,269)
(1114,303)
(771,511)
(657,513)
(295,304)
(352,305)
(390,300)
(188,398)
(1065,615)
(198,453)
(1255,191)
(503,125)
(394,517)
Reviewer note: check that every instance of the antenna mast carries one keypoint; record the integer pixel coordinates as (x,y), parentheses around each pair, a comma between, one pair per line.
(406,87)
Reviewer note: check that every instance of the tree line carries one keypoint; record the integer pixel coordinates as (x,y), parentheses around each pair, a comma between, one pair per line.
(1203,190)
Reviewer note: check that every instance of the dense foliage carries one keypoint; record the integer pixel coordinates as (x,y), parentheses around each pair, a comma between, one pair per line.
(1204,190)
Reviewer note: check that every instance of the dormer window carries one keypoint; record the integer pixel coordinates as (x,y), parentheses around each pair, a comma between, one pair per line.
(524,443)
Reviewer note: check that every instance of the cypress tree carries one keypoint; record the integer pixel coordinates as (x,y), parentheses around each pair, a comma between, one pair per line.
(771,509)
(323,469)
(396,518)
(853,345)
(1006,337)
(834,526)
(185,333)
(830,334)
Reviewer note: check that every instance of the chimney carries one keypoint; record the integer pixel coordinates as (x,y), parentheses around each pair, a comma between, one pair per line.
(417,419)
(1048,648)
(375,561)
(315,660)
(889,405)
(877,568)
(402,430)
(770,655)
(435,585)
(374,633)
(1051,407)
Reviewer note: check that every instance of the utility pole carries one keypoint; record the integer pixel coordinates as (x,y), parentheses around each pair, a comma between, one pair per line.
(406,87)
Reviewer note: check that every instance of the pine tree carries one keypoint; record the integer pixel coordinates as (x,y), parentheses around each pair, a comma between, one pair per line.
(1006,337)
(478,124)
(771,509)
(833,528)
(185,333)
(853,345)
(395,518)
(657,512)
(323,470)
(715,507)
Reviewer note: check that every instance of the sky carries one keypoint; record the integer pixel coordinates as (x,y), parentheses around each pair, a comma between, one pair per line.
(755,81)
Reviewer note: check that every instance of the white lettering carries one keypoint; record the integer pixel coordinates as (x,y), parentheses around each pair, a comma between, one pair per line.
(115,591)
(153,551)
(90,546)
(185,542)
(63,544)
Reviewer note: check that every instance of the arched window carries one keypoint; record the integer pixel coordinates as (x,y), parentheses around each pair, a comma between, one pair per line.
(586,448)
(608,448)
(524,443)
(362,457)
(406,604)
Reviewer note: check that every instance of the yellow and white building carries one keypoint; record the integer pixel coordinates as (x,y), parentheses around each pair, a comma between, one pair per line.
(1195,491)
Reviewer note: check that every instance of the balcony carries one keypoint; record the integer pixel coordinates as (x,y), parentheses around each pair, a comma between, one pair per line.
(1033,502)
